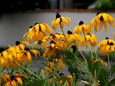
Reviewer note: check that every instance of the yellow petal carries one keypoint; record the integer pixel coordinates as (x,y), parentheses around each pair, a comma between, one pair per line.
(20,81)
(95,26)
(25,42)
(7,83)
(25,35)
(61,25)
(48,29)
(35,52)
(13,83)
(105,26)
(100,26)
(43,28)
(29,56)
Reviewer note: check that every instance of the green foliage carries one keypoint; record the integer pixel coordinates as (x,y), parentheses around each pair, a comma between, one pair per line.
(103,77)
(112,53)
(104,4)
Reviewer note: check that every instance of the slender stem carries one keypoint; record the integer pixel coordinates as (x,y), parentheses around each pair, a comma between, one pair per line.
(85,67)
(83,56)
(27,70)
(109,66)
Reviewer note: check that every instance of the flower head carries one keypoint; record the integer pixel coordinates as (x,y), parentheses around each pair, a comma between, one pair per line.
(59,21)
(37,32)
(89,39)
(11,80)
(101,19)
(82,28)
(105,46)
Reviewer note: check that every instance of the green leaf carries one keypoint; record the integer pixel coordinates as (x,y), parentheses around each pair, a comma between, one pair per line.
(113,69)
(72,83)
(112,53)
(42,74)
(40,70)
(46,83)
(112,82)
(103,77)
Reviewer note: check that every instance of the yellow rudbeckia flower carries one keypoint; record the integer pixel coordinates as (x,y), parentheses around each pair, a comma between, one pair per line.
(37,32)
(105,46)
(82,28)
(59,21)
(89,39)
(11,80)
(100,20)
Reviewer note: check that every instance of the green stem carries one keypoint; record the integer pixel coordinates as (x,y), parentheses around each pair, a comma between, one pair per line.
(109,66)
(27,70)
(83,56)
(85,67)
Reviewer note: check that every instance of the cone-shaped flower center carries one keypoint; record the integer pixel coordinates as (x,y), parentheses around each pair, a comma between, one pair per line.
(106,38)
(81,22)
(58,15)
(27,49)
(1,49)
(12,77)
(17,42)
(69,32)
(101,18)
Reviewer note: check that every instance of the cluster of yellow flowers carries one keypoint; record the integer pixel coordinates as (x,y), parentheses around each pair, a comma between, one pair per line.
(11,80)
(58,80)
(17,53)
(52,43)
(51,65)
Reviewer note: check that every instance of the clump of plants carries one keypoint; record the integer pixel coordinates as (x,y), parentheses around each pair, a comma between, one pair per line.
(59,50)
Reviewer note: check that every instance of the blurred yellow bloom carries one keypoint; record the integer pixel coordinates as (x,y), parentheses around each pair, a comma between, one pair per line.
(105,46)
(89,39)
(82,28)
(59,21)
(37,32)
(11,80)
(100,20)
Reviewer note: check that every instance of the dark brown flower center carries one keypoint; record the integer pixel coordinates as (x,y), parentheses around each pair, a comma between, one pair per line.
(17,42)
(40,28)
(12,77)
(27,49)
(101,18)
(58,15)
(81,22)
(69,32)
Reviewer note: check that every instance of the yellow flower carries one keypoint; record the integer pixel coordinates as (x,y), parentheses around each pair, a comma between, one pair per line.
(11,80)
(96,60)
(101,19)
(68,80)
(59,21)
(89,39)
(28,52)
(105,46)
(37,32)
(82,28)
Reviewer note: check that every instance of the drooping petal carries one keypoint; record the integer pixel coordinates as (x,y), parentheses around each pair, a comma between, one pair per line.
(29,56)
(19,80)
(105,26)
(35,52)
